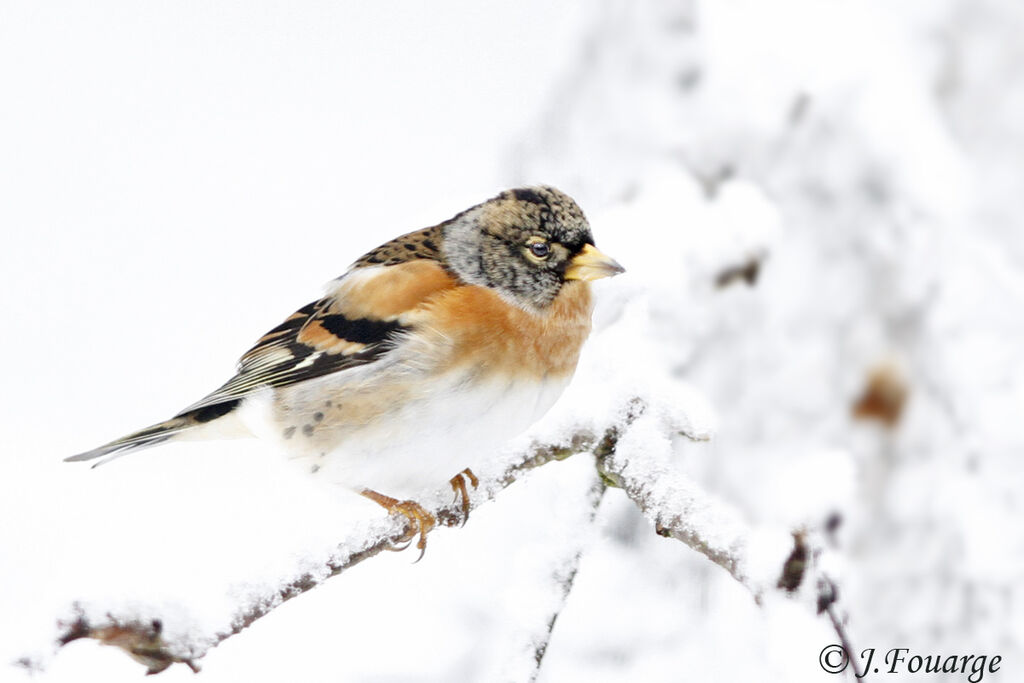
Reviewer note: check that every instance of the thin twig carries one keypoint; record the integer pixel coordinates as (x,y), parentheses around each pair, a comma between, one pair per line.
(143,641)
(566,584)
(677,508)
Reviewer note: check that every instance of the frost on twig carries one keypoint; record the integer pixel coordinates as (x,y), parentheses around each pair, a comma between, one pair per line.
(146,641)
(639,464)
(632,453)
(546,575)
(637,460)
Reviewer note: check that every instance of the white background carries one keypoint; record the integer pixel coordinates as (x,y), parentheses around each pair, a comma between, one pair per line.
(175,178)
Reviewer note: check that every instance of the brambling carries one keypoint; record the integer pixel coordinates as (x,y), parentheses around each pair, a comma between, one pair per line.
(429,353)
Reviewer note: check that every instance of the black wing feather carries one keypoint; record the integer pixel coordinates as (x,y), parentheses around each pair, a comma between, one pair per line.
(280,359)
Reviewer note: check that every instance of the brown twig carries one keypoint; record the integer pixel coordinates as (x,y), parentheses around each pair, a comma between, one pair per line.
(565,586)
(143,640)
(677,509)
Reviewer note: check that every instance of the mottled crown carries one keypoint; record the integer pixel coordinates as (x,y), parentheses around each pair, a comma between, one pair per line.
(494,244)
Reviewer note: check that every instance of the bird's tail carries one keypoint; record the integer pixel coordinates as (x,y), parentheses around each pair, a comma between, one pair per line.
(150,436)
(155,434)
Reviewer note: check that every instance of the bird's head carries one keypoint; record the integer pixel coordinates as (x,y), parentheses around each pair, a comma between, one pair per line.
(525,244)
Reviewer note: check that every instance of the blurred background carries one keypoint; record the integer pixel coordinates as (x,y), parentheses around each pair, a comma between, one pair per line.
(819,204)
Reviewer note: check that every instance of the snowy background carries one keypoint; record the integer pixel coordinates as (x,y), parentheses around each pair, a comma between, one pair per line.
(175,178)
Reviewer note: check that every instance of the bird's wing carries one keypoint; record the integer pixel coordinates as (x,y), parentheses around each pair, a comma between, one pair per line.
(358,321)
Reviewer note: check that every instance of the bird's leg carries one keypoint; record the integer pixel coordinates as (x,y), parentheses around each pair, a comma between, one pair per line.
(458,483)
(422,520)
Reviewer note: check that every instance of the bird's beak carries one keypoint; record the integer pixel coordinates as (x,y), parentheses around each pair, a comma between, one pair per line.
(591,264)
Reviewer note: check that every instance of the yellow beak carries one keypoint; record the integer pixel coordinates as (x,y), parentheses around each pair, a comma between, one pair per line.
(591,264)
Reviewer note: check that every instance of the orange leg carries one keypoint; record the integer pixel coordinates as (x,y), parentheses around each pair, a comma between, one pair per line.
(458,483)
(422,520)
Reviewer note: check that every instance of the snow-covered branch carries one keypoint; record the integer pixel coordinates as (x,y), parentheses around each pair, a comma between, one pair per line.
(637,459)
(545,577)
(627,455)
(143,637)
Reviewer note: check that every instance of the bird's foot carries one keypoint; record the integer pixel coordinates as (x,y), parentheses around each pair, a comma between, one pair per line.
(422,521)
(458,483)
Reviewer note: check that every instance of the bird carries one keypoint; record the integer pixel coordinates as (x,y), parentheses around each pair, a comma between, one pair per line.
(421,360)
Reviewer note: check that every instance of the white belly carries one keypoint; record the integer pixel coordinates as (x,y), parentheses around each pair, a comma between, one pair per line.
(419,445)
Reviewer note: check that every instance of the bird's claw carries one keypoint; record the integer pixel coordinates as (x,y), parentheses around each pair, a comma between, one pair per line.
(422,521)
(458,483)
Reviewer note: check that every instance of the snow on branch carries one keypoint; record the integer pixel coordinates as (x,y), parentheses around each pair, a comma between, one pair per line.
(638,461)
(543,578)
(632,450)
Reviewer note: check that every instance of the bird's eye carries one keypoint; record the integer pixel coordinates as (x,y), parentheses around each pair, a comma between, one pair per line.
(540,249)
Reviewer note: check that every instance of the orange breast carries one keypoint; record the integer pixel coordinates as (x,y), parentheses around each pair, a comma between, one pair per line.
(487,332)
